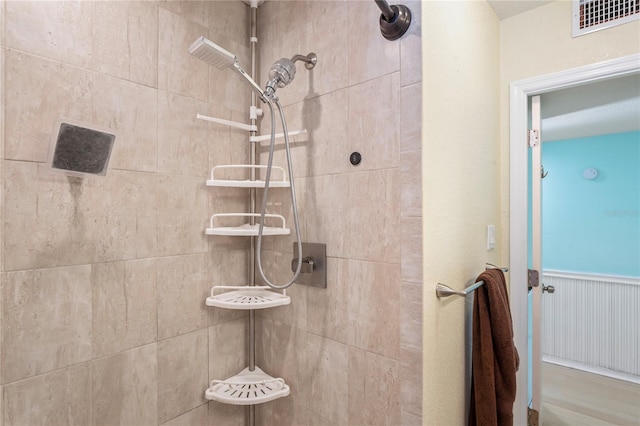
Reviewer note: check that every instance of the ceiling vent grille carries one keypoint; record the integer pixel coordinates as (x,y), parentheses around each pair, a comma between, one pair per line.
(594,15)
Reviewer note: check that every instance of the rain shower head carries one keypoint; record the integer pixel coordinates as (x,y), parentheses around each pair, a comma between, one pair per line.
(211,53)
(220,58)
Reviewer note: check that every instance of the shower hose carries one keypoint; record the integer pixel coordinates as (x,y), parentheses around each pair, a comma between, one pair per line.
(294,203)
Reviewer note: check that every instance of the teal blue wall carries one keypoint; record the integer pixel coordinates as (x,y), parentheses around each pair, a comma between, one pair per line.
(592,226)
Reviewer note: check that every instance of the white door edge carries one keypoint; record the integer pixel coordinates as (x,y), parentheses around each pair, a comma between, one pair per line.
(518,107)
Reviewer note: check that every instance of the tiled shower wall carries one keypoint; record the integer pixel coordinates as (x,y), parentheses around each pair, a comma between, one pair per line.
(104,279)
(352,353)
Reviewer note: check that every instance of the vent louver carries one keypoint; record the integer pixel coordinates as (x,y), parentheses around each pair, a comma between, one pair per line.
(594,15)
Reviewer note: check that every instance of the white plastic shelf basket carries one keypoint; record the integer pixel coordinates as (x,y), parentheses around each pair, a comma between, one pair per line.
(247,388)
(246,229)
(280,182)
(247,297)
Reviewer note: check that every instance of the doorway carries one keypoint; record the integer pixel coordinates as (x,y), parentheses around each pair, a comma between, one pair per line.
(520,93)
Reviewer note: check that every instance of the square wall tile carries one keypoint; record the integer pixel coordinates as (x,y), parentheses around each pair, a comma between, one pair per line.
(178,71)
(182,374)
(230,18)
(411,315)
(411,118)
(124,388)
(411,380)
(411,46)
(227,415)
(370,54)
(182,291)
(374,307)
(374,122)
(182,215)
(194,11)
(124,305)
(62,397)
(59,30)
(411,249)
(182,138)
(228,346)
(411,184)
(373,216)
(373,389)
(47,320)
(329,387)
(54,220)
(196,417)
(38,92)
(131,110)
(131,27)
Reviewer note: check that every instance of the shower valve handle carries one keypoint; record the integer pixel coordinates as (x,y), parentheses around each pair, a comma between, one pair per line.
(307,265)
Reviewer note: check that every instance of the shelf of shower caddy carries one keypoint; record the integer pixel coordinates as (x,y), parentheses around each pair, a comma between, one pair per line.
(247,388)
(247,297)
(246,230)
(279,181)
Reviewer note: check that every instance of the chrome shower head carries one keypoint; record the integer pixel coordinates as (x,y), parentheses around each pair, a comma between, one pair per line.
(283,71)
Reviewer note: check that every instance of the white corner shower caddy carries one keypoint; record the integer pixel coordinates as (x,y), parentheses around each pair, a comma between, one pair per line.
(247,387)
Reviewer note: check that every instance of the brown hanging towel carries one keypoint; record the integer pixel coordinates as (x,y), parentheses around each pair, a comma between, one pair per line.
(494,357)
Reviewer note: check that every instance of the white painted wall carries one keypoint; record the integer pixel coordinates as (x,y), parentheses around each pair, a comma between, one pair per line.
(460,185)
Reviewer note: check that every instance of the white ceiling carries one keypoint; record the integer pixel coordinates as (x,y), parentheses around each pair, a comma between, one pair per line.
(507,8)
(611,106)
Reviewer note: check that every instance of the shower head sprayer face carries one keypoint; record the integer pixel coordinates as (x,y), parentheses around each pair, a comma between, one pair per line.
(211,53)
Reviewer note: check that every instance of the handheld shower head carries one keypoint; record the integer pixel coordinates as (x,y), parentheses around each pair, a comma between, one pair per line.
(218,57)
(211,53)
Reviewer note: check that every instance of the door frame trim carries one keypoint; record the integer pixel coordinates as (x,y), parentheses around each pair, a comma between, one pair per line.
(519,92)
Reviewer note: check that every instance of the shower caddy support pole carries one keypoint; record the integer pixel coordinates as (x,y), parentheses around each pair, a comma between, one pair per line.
(253,40)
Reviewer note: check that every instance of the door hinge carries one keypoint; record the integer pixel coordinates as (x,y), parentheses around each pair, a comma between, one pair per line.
(533,278)
(533,417)
(533,138)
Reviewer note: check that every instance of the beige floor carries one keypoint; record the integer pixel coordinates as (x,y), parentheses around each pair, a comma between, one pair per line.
(574,397)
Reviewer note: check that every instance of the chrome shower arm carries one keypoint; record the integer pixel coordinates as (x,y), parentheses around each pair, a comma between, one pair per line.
(309,61)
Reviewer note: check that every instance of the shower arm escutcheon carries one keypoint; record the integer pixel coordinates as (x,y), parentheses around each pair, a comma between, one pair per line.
(394,20)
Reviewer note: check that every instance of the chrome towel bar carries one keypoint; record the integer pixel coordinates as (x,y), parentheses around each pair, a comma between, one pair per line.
(443,290)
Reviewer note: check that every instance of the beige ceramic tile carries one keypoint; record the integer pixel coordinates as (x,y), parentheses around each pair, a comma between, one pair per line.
(373,389)
(60,30)
(409,419)
(326,203)
(411,248)
(227,349)
(411,315)
(411,380)
(370,54)
(411,184)
(131,110)
(373,216)
(411,46)
(196,417)
(182,139)
(47,320)
(287,357)
(227,415)
(182,374)
(124,388)
(411,118)
(182,290)
(329,387)
(228,145)
(39,92)
(328,308)
(374,288)
(195,11)
(54,220)
(374,123)
(178,71)
(125,40)
(230,18)
(62,397)
(124,305)
(182,215)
